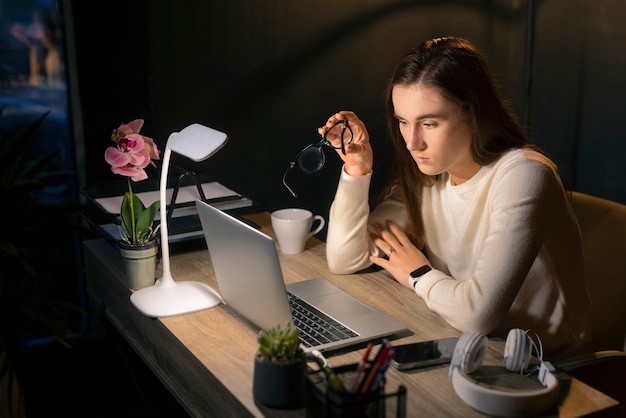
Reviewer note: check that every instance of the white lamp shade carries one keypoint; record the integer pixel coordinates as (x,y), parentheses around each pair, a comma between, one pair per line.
(196,142)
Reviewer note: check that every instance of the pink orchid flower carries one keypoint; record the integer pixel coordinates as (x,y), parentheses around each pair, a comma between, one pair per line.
(132,153)
(129,157)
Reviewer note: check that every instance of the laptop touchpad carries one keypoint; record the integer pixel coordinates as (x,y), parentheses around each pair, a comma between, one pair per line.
(338,304)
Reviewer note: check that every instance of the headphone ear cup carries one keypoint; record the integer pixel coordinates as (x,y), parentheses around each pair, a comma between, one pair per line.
(517,350)
(469,353)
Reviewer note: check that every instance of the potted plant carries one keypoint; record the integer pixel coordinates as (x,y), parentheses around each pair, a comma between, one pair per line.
(280,379)
(129,157)
(36,240)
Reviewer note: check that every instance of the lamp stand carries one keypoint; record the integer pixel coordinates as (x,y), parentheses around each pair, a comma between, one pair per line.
(168,297)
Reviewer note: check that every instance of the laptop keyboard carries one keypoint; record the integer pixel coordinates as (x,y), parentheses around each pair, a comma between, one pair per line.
(315,327)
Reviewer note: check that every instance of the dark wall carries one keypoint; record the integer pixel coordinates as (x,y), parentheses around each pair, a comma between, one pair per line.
(579,92)
(111,74)
(270,72)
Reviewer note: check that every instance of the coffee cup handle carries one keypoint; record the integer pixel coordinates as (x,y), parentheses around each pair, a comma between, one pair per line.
(319,227)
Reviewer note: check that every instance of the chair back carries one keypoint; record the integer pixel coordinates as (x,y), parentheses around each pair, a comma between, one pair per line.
(603,226)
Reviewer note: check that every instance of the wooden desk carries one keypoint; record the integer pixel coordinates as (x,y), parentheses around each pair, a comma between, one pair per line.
(205,359)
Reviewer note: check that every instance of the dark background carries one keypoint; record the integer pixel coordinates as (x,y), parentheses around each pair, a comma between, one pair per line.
(268,73)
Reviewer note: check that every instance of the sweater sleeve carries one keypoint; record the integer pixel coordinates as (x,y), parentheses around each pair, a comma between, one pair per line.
(477,286)
(348,244)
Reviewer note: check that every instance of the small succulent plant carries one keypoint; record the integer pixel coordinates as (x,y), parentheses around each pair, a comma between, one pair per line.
(279,343)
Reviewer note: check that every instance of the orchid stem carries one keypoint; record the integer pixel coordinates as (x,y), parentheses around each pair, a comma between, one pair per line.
(132,212)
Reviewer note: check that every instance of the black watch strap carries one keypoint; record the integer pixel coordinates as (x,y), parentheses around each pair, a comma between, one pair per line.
(417,273)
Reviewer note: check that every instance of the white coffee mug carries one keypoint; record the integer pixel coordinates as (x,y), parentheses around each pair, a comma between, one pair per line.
(292,227)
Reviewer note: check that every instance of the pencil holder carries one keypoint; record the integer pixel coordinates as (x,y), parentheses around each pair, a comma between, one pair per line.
(326,402)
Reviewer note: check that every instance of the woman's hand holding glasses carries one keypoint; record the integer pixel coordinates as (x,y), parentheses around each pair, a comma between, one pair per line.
(358,158)
(347,134)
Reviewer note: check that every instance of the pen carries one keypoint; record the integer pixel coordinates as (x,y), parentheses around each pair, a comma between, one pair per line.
(333,380)
(382,370)
(361,367)
(331,377)
(378,361)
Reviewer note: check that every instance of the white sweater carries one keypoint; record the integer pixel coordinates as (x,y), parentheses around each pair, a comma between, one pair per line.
(505,248)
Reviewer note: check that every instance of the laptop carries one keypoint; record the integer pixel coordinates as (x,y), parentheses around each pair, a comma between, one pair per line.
(250,280)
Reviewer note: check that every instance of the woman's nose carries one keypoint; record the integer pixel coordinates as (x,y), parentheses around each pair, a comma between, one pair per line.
(415,140)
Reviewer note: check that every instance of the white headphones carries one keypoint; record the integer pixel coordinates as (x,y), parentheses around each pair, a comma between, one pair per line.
(469,354)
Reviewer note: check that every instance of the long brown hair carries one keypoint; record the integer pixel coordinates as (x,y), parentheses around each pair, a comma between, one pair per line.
(455,67)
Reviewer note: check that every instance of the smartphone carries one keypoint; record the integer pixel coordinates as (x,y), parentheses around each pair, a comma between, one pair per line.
(423,354)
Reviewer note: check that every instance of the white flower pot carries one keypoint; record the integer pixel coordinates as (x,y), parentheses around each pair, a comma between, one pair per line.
(140,264)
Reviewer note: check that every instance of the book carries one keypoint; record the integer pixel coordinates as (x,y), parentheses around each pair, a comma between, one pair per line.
(215,193)
(185,223)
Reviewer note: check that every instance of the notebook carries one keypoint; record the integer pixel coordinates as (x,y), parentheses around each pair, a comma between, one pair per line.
(250,280)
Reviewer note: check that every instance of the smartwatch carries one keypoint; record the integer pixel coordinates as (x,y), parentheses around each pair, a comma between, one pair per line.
(416,274)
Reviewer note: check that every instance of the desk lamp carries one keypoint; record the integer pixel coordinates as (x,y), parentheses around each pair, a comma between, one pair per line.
(168,297)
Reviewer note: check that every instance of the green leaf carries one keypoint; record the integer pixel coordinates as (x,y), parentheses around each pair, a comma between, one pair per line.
(126,215)
(278,343)
(13,149)
(35,168)
(145,220)
(138,206)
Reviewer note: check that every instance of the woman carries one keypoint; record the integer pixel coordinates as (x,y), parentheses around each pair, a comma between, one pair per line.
(474,218)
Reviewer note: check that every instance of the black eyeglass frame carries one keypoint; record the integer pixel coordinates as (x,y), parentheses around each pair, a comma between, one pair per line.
(324,141)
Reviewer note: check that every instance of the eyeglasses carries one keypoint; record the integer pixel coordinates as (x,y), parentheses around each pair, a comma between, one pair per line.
(311,159)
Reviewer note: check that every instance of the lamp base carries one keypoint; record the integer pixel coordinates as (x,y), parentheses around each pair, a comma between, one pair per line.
(181,298)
